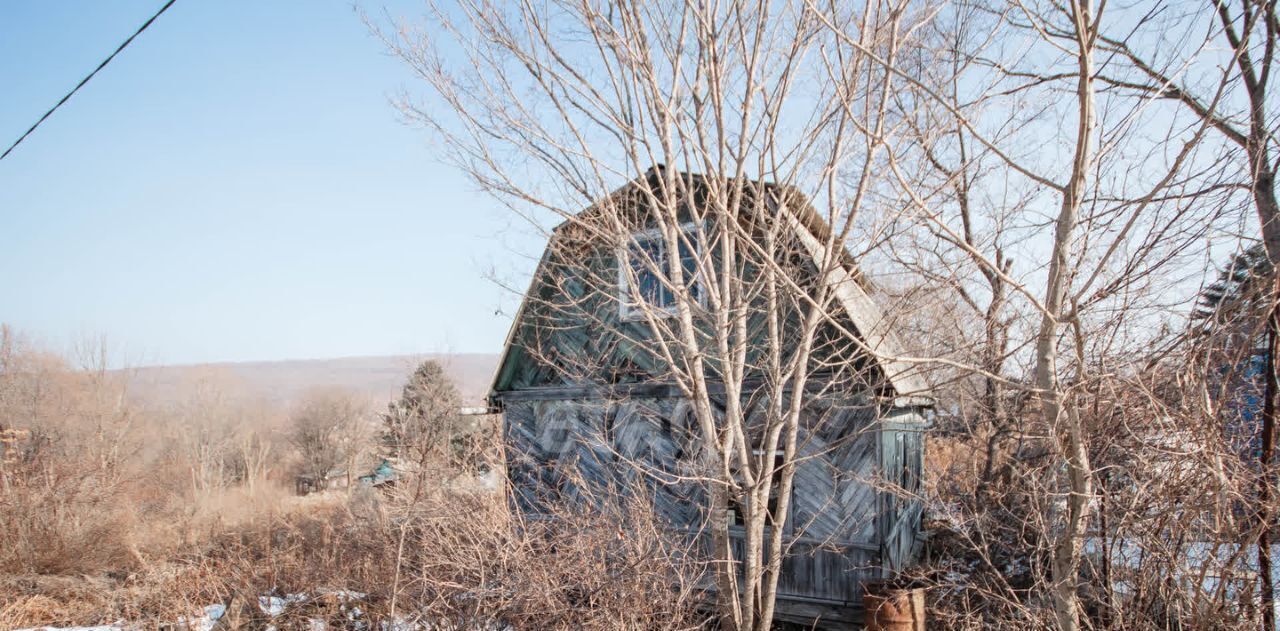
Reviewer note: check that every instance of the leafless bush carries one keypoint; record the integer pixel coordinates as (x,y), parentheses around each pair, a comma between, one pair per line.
(449,560)
(100,521)
(330,430)
(95,482)
(467,559)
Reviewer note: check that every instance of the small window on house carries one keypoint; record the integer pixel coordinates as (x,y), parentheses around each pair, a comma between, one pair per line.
(737,517)
(736,512)
(645,281)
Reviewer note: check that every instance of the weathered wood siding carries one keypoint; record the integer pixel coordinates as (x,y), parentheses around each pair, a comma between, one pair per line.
(590,408)
(572,449)
(834,573)
(571,329)
(902,457)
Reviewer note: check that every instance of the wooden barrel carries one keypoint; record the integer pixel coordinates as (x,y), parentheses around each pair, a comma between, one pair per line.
(893,609)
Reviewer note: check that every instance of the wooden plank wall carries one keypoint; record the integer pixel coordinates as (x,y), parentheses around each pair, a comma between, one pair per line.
(556,447)
(570,329)
(902,455)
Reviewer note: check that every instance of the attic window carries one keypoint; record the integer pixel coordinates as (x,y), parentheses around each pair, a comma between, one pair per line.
(644,283)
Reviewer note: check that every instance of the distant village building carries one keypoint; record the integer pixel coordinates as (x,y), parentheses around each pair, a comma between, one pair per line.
(305,484)
(382,475)
(575,393)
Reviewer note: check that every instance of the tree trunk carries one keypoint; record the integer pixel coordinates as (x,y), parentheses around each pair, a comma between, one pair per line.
(1267,586)
(1058,413)
(1264,198)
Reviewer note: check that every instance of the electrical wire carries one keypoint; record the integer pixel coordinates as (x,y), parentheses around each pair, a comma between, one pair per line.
(87,78)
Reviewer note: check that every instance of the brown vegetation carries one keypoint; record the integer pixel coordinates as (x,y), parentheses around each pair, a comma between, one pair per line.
(113,511)
(1037,187)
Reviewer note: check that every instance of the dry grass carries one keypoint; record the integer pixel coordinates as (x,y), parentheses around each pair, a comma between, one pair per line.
(461,558)
(115,511)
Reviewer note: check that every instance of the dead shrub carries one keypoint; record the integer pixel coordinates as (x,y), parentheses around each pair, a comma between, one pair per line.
(63,522)
(461,560)
(115,512)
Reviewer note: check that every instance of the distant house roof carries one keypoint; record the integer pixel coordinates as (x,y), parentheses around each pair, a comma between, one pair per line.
(849,287)
(382,474)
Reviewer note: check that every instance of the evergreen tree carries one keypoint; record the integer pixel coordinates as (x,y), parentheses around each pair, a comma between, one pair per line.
(423,422)
(1232,312)
(1241,289)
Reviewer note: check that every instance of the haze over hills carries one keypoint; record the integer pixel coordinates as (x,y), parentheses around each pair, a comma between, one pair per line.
(379,378)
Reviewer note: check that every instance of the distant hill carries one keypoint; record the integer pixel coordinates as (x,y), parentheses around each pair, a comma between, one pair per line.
(281,382)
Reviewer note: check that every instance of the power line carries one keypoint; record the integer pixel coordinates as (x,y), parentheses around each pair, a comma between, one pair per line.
(90,76)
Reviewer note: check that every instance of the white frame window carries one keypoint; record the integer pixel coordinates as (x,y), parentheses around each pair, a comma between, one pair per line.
(632,299)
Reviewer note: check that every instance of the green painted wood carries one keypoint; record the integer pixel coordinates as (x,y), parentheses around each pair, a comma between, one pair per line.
(570,329)
(651,443)
(901,461)
(588,409)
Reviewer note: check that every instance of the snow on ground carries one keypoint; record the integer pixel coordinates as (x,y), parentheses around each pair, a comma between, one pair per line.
(275,606)
(205,621)
(1198,557)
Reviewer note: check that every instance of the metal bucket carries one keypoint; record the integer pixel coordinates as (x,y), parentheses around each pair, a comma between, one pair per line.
(893,609)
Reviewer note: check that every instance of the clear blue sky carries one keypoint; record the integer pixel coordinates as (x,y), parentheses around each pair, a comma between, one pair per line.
(235,186)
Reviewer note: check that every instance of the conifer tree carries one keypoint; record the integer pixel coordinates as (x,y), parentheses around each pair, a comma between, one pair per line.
(421,425)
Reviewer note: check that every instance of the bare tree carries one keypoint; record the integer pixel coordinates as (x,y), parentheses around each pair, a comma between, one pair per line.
(1060,414)
(1235,100)
(205,434)
(329,429)
(552,107)
(978,158)
(255,451)
(1037,197)
(1230,92)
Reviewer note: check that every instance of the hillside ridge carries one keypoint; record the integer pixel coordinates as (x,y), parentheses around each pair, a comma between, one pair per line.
(379,377)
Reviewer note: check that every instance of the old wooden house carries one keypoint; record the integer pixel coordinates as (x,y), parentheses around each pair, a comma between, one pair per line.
(580,393)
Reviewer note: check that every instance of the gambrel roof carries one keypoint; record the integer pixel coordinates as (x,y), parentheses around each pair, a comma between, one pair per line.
(850,290)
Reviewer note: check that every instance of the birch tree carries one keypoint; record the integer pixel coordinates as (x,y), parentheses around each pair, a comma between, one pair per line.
(550,107)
